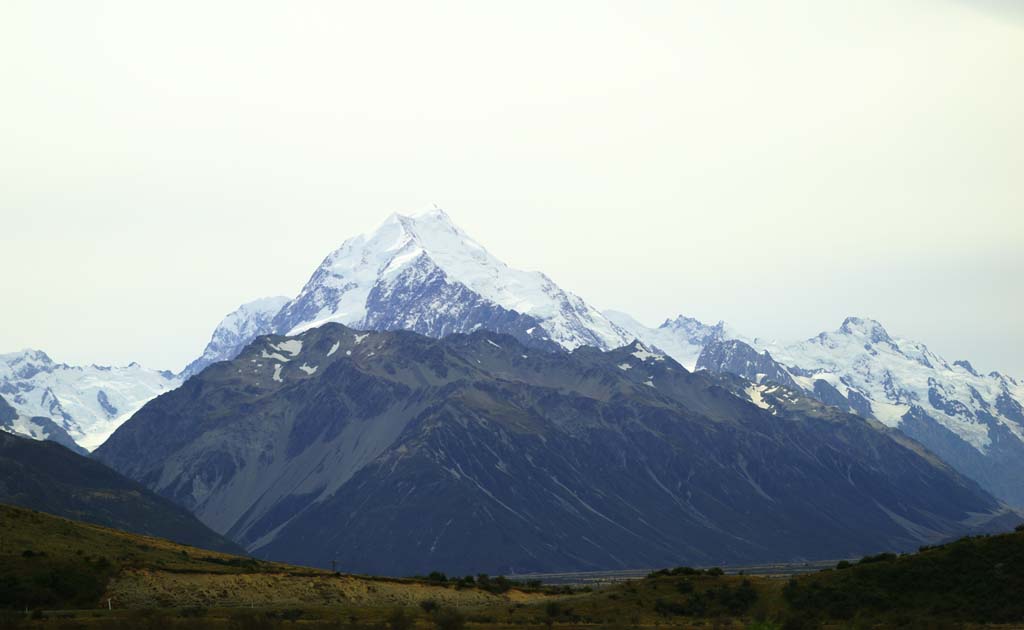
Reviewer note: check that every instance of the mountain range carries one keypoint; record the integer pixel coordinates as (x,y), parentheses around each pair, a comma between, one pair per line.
(83,404)
(421,273)
(973,421)
(397,453)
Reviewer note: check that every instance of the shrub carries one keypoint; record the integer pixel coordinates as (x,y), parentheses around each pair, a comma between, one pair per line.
(669,609)
(800,622)
(449,619)
(399,620)
(11,618)
(738,600)
(500,584)
(675,571)
(881,557)
(553,609)
(248,620)
(428,605)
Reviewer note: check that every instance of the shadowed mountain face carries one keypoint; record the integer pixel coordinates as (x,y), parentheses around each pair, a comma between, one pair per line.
(396,453)
(45,476)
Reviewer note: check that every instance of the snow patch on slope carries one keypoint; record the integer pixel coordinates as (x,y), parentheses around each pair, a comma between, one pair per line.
(753,393)
(291,346)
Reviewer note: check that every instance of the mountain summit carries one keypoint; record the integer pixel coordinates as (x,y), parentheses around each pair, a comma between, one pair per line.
(404,274)
(421,272)
(865,327)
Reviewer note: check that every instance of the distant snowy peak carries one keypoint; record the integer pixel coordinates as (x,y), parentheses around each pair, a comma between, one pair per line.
(349,285)
(682,338)
(86,403)
(898,375)
(24,364)
(973,421)
(694,330)
(866,328)
(859,332)
(236,330)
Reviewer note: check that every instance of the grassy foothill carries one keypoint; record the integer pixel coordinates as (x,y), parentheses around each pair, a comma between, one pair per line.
(58,573)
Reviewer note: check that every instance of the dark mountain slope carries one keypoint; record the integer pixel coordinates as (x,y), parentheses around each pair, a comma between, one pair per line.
(397,453)
(45,476)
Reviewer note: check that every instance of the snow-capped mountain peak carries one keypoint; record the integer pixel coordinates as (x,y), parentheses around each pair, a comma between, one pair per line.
(86,403)
(866,328)
(973,421)
(236,330)
(682,338)
(695,330)
(24,364)
(398,243)
(407,252)
(899,375)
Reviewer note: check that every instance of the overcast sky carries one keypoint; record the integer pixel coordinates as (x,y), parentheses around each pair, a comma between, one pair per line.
(778,165)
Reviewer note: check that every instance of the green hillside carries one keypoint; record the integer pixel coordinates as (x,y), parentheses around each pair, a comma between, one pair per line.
(66,571)
(43,475)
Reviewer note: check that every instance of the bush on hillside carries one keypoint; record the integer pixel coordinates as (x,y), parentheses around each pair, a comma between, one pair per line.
(449,619)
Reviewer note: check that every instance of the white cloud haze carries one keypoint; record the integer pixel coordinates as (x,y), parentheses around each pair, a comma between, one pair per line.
(777,165)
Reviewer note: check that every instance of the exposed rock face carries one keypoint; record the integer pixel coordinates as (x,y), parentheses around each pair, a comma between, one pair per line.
(396,453)
(736,357)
